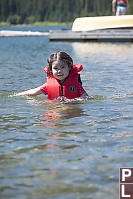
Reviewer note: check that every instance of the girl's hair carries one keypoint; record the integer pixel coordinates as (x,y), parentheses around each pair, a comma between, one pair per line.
(63,56)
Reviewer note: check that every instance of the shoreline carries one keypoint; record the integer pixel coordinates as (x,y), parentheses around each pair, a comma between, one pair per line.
(5,24)
(19,33)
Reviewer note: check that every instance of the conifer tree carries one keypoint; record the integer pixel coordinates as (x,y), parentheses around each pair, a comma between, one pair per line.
(26,11)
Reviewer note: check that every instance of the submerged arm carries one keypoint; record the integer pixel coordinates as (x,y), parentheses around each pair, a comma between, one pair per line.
(83,97)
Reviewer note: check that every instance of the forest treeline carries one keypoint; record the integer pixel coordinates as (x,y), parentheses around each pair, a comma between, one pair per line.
(31,11)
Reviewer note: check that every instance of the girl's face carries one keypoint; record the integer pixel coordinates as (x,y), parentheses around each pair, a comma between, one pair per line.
(60,70)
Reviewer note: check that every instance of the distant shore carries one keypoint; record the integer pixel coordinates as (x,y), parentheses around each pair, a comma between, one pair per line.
(18,33)
(46,23)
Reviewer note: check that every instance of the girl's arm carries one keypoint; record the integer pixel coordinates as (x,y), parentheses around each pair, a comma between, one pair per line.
(31,92)
(83,97)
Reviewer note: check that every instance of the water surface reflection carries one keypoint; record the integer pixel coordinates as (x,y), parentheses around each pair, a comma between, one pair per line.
(51,150)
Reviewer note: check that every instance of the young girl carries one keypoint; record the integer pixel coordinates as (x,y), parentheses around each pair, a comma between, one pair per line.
(63,81)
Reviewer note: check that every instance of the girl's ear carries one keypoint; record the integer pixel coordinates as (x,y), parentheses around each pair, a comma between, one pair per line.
(69,68)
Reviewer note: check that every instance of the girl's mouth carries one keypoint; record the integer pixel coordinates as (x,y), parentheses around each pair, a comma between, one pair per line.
(60,75)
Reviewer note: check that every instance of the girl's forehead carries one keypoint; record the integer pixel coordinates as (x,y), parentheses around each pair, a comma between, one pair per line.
(59,63)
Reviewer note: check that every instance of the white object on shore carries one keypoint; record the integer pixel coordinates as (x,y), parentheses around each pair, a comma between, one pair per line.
(10,33)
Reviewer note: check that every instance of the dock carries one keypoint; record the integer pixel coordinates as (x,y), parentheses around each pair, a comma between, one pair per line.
(113,35)
(101,28)
(96,35)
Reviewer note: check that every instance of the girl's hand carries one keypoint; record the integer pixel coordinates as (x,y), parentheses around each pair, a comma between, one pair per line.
(81,99)
(65,100)
(62,99)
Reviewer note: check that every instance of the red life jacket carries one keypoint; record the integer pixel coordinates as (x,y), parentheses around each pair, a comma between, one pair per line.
(68,89)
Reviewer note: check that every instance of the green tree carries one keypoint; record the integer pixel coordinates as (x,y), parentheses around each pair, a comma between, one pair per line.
(29,11)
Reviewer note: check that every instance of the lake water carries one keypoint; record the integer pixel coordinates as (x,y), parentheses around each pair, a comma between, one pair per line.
(73,151)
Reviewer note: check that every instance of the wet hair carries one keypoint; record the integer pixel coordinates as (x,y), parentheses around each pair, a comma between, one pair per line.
(62,56)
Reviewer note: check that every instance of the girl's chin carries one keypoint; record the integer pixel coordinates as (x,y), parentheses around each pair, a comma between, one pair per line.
(60,77)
